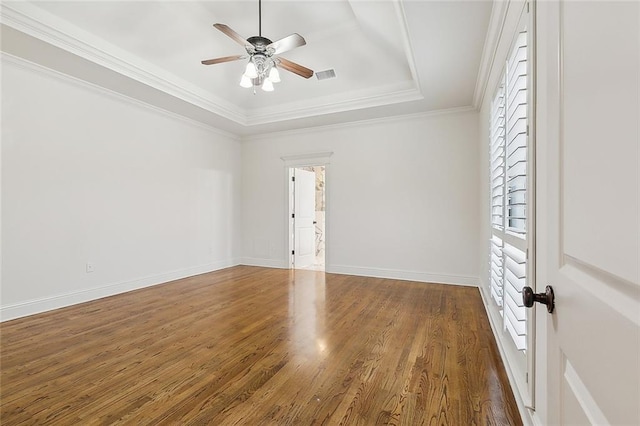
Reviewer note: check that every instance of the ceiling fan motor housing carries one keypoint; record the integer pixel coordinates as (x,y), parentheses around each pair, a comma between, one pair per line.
(259,43)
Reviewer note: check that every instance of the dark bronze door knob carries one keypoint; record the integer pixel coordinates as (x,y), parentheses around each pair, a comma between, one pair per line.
(546,298)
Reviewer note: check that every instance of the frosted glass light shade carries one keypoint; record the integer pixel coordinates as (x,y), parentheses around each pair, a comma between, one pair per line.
(274,75)
(267,86)
(245,82)
(250,71)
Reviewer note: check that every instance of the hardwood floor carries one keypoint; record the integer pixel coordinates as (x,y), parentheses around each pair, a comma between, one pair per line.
(254,346)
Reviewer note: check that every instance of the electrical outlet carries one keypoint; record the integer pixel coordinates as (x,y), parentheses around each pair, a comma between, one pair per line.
(90,267)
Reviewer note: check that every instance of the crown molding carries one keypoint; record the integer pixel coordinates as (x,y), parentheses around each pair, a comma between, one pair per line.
(332,104)
(34,21)
(359,123)
(497,21)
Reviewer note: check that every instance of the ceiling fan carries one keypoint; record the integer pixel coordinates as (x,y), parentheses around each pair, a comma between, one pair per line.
(262,68)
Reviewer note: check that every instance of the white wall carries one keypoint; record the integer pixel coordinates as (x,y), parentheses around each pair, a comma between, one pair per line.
(90,176)
(402,197)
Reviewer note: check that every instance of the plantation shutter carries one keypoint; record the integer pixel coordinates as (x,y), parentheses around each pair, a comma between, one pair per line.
(516,84)
(508,173)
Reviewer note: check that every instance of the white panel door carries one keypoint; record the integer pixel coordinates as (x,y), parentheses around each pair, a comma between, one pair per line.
(588,217)
(305,212)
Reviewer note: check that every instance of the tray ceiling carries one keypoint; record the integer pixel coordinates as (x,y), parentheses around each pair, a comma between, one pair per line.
(389,57)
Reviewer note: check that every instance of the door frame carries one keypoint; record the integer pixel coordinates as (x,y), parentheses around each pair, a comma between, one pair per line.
(303,160)
(295,188)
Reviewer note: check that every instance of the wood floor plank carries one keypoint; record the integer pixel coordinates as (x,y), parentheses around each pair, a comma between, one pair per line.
(252,346)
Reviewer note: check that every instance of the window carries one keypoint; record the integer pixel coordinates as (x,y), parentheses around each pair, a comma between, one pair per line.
(508,167)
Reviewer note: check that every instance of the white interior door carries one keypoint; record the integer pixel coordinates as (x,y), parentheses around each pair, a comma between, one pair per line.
(304,211)
(588,216)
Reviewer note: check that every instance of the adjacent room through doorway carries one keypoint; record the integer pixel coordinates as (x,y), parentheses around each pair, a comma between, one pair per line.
(307,238)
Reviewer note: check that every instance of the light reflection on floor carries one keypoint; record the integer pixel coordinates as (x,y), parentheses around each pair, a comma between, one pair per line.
(307,313)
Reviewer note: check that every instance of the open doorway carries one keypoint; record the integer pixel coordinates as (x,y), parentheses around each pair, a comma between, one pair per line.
(307,238)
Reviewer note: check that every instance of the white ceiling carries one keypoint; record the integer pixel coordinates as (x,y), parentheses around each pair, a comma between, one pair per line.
(390,57)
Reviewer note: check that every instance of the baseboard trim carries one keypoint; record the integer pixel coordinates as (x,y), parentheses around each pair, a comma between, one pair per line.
(397,274)
(36,306)
(265,263)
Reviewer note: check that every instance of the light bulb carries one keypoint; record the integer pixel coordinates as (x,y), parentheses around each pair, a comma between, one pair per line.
(250,71)
(245,82)
(274,75)
(267,86)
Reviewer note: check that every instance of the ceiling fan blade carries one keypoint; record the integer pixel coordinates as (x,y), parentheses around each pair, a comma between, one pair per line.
(232,34)
(223,59)
(287,43)
(295,68)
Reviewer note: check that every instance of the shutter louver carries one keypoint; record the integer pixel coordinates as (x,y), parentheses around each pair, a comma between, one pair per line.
(497,158)
(496,270)
(516,137)
(514,280)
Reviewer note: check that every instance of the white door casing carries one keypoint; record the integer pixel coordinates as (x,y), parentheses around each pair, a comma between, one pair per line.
(588,230)
(291,162)
(305,211)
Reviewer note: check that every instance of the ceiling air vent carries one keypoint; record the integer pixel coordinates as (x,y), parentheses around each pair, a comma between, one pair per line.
(323,75)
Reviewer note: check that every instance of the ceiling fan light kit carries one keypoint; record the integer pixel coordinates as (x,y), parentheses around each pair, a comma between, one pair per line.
(261,70)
